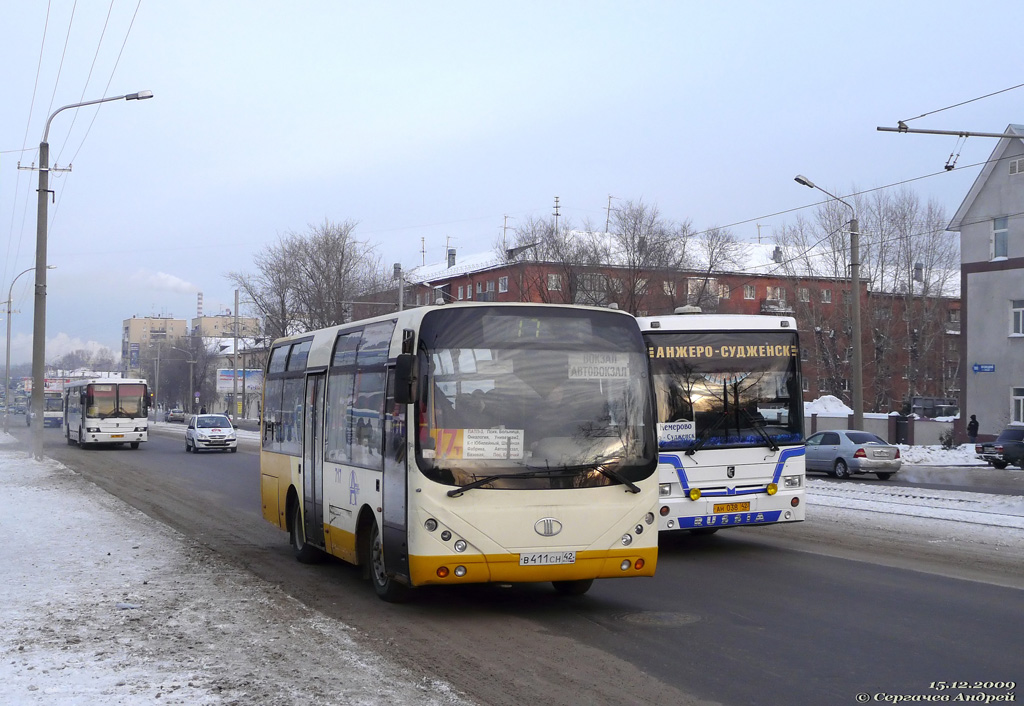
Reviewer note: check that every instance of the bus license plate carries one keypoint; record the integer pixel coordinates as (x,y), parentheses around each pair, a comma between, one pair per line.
(547,558)
(733,507)
(117,436)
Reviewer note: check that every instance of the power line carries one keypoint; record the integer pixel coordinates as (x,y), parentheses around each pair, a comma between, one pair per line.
(957,105)
(88,78)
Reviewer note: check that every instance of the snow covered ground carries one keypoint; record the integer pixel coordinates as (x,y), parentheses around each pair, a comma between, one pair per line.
(104,605)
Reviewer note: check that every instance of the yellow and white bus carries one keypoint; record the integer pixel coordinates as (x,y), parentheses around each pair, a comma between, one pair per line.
(468,443)
(730,418)
(106,411)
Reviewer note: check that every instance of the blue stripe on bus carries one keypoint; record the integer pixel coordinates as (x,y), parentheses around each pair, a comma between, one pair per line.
(730,519)
(677,463)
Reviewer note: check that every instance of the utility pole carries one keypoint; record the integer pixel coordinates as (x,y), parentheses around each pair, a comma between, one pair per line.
(504,234)
(608,214)
(234,362)
(555,214)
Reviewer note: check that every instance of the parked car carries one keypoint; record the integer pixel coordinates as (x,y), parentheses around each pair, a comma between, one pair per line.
(210,431)
(174,415)
(845,452)
(1008,448)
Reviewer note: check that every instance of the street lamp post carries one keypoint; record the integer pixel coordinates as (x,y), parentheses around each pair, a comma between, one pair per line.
(39,318)
(856,376)
(7,373)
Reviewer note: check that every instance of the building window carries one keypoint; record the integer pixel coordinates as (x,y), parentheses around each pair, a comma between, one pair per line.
(490,286)
(846,385)
(503,284)
(749,292)
(954,316)
(826,296)
(1017,313)
(723,291)
(554,283)
(668,288)
(803,353)
(1017,166)
(806,384)
(1000,228)
(469,291)
(479,287)
(1017,413)
(804,294)
(777,293)
(460,292)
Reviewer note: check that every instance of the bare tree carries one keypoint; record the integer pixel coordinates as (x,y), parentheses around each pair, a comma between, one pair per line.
(310,280)
(906,314)
(550,262)
(714,250)
(640,242)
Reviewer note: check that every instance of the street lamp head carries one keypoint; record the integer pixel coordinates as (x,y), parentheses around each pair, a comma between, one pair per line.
(51,267)
(141,95)
(801,179)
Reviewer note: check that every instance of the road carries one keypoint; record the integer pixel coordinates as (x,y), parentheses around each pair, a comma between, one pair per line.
(810,613)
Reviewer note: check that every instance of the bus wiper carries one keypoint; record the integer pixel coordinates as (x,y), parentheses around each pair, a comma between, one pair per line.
(758,426)
(536,473)
(706,434)
(602,468)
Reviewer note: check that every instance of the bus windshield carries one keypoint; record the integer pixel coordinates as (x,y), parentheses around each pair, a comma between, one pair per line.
(116,400)
(533,398)
(53,403)
(735,389)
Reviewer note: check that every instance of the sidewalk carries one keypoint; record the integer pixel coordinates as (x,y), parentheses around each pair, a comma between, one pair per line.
(104,605)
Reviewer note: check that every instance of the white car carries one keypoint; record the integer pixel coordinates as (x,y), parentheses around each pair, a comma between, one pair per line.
(210,431)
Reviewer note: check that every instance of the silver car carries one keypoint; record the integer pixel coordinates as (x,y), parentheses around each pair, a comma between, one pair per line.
(843,453)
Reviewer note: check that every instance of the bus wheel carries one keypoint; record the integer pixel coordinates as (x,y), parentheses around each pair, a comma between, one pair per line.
(305,553)
(573,588)
(134,444)
(67,435)
(386,587)
(81,439)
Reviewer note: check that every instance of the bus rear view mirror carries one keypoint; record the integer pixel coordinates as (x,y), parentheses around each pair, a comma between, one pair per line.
(405,379)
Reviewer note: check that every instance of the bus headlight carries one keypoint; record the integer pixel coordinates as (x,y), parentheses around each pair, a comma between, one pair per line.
(627,539)
(460,571)
(430,525)
(772,489)
(460,546)
(649,518)
(791,482)
(665,489)
(694,493)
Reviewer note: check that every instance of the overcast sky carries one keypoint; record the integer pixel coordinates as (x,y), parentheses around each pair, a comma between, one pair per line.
(429,122)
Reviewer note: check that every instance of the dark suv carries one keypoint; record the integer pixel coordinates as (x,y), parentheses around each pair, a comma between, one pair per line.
(1007,449)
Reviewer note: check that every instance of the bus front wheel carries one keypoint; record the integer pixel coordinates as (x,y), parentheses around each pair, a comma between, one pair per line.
(386,587)
(573,588)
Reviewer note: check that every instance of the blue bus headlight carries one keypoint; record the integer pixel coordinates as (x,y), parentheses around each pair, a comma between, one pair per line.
(791,482)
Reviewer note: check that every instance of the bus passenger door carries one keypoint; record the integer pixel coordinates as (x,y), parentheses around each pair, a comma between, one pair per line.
(312,460)
(394,532)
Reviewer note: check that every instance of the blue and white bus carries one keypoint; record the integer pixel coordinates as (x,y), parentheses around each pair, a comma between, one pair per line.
(729,400)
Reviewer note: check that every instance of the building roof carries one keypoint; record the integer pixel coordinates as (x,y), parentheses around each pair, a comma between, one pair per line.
(1017,132)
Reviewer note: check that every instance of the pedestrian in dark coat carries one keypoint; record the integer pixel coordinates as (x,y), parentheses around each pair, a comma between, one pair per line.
(972,429)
